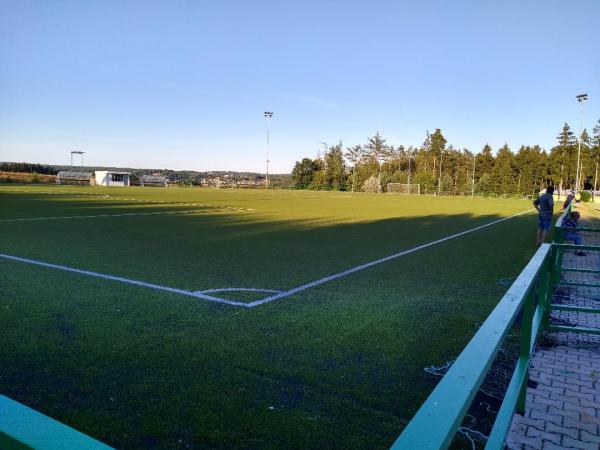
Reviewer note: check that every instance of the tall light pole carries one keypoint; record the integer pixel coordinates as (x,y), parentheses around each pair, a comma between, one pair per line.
(409,158)
(581,98)
(268,116)
(77,152)
(440,176)
(473,182)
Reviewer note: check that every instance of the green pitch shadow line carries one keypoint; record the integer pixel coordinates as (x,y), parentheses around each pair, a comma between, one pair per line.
(347,272)
(276,294)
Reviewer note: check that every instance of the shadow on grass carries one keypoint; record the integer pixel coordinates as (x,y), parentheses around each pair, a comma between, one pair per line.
(339,366)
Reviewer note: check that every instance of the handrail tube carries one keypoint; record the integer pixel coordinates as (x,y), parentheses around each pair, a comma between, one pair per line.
(563,247)
(505,414)
(435,424)
(580,309)
(24,428)
(584,285)
(575,269)
(566,329)
(593,230)
(564,214)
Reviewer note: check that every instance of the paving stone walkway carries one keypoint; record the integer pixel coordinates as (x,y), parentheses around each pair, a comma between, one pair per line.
(563,394)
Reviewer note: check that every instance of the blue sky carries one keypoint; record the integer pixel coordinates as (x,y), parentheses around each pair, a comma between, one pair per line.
(183,84)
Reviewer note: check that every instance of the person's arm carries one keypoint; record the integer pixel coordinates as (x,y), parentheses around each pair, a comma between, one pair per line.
(536,204)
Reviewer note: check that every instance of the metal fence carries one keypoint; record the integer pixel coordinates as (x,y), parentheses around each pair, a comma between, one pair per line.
(435,424)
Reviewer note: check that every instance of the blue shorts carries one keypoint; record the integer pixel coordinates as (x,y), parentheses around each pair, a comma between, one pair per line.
(545,222)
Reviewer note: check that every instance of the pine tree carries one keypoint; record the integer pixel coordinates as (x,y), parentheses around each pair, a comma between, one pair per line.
(484,162)
(377,149)
(335,168)
(438,145)
(354,155)
(503,176)
(564,151)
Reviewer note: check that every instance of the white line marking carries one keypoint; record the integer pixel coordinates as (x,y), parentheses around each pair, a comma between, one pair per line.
(158,213)
(277,296)
(124,280)
(208,291)
(347,272)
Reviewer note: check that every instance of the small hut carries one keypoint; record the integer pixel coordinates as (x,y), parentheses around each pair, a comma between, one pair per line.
(72,177)
(153,180)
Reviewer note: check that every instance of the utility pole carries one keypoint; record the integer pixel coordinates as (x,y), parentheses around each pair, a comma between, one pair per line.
(581,98)
(268,116)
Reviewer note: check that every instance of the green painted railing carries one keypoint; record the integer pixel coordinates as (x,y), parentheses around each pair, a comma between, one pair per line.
(435,425)
(24,428)
(559,248)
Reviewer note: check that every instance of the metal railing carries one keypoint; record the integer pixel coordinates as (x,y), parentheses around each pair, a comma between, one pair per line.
(560,236)
(24,428)
(435,424)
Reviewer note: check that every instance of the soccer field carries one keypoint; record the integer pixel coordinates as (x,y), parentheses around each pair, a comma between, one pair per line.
(187,318)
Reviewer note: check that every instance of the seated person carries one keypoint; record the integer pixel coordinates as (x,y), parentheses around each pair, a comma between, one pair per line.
(571,234)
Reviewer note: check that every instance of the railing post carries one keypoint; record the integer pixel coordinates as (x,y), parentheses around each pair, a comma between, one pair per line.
(543,291)
(549,288)
(525,345)
(557,258)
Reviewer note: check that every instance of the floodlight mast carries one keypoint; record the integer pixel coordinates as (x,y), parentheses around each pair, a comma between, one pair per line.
(409,168)
(473,181)
(581,98)
(268,116)
(77,152)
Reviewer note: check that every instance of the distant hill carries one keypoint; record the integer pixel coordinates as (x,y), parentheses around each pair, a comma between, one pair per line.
(208,178)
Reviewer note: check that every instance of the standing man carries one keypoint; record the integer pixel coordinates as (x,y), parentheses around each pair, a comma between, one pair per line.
(545,206)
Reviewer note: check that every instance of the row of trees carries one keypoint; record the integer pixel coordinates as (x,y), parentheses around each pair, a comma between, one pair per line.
(443,169)
(27,168)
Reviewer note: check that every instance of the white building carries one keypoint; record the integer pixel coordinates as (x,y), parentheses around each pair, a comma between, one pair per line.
(110,178)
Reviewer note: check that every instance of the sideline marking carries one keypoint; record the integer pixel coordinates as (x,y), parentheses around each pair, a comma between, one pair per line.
(282,294)
(347,272)
(158,213)
(123,280)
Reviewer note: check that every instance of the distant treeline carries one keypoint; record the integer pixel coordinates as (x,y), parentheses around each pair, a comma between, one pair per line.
(181,177)
(443,169)
(27,168)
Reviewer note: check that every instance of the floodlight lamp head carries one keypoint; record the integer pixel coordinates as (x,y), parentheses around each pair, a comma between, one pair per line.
(581,97)
(268,114)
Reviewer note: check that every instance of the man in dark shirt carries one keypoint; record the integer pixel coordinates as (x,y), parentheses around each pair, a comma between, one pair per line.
(545,207)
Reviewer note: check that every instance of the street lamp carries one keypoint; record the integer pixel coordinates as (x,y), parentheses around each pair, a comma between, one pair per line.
(268,116)
(581,98)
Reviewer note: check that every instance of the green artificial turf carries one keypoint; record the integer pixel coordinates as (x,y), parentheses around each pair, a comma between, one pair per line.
(339,365)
